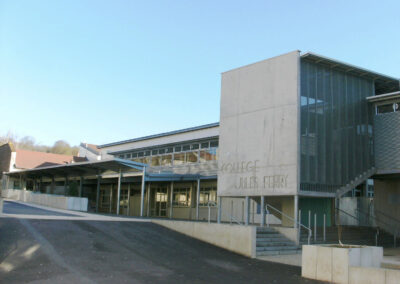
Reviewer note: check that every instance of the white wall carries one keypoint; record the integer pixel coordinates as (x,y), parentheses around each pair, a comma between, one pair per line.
(55,201)
(258,142)
(239,239)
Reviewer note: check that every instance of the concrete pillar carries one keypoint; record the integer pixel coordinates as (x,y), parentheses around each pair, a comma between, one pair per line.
(142,193)
(98,192)
(119,191)
(197,199)
(129,200)
(296,211)
(53,185)
(25,182)
(219,210)
(263,211)
(65,185)
(80,186)
(171,208)
(111,197)
(148,200)
(247,210)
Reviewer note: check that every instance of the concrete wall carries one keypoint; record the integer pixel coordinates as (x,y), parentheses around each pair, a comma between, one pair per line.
(387,203)
(354,206)
(259,128)
(55,201)
(239,239)
(334,264)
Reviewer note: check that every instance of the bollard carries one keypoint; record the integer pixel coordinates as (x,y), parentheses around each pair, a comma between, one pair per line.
(315,227)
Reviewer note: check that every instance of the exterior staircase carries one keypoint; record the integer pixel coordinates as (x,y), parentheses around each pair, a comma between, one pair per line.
(355,182)
(271,242)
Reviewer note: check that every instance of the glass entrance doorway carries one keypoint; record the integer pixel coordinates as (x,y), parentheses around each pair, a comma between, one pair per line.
(161,202)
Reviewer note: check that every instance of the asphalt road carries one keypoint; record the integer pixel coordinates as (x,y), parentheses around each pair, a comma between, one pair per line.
(66,251)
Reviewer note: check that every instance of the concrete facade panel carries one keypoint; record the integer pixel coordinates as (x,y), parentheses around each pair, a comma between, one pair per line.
(259,128)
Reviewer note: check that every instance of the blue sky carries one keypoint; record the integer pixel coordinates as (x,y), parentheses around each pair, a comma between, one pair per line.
(103,71)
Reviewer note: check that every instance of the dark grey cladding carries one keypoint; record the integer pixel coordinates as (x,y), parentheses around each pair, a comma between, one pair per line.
(387,141)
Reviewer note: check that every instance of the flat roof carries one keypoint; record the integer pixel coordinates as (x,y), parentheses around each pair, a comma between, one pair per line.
(384,97)
(205,126)
(383,83)
(82,168)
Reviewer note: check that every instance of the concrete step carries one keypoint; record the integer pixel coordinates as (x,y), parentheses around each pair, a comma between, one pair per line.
(284,252)
(273,244)
(272,240)
(281,248)
(265,229)
(276,239)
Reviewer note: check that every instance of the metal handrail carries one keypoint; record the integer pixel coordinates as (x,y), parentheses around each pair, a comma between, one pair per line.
(294,221)
(387,216)
(234,219)
(394,232)
(358,219)
(347,213)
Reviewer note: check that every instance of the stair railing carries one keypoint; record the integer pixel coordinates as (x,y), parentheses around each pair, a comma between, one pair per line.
(298,224)
(358,220)
(233,219)
(377,222)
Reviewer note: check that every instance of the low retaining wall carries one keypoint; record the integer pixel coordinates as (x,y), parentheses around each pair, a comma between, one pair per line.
(353,265)
(51,200)
(239,239)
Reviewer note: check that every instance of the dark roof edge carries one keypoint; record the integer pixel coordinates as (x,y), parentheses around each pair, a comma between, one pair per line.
(205,126)
(307,54)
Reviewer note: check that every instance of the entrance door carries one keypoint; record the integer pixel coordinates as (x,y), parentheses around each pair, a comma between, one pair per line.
(161,202)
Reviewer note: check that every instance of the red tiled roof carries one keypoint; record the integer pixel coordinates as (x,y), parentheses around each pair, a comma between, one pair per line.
(30,159)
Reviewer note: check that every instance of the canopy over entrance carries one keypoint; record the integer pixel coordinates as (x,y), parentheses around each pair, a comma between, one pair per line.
(82,169)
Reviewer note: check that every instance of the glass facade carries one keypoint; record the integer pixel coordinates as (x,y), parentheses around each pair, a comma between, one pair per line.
(336,140)
(180,154)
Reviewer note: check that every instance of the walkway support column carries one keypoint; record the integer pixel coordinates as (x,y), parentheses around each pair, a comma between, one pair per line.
(111,197)
(142,193)
(247,210)
(171,209)
(263,211)
(197,198)
(219,210)
(98,192)
(119,191)
(53,185)
(80,187)
(129,200)
(296,211)
(148,200)
(65,185)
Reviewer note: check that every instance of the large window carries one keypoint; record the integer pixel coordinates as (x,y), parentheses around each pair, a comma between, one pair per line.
(179,158)
(208,154)
(392,107)
(182,197)
(176,155)
(207,194)
(336,127)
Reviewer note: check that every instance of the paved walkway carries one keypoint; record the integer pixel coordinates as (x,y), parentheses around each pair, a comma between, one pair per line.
(83,249)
